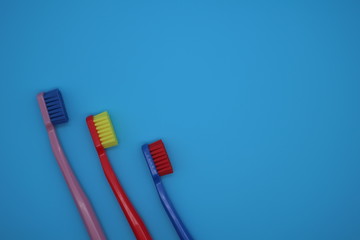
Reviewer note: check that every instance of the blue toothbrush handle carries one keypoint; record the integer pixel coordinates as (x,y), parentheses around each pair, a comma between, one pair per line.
(173,215)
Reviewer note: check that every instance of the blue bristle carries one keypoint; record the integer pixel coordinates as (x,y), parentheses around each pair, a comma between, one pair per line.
(56,107)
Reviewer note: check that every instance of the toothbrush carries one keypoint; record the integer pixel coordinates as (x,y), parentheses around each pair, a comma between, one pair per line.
(160,165)
(103,136)
(53,112)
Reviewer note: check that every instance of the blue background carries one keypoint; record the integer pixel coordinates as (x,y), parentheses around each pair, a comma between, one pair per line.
(256,101)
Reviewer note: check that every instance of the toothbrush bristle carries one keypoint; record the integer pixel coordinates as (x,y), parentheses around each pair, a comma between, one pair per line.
(105,130)
(161,158)
(55,107)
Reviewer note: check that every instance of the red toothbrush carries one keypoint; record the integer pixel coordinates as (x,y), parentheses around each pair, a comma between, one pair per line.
(103,135)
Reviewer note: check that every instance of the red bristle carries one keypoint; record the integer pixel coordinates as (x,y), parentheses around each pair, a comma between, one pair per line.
(161,159)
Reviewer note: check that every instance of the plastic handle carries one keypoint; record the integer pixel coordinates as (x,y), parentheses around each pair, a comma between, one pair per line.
(173,215)
(83,204)
(135,221)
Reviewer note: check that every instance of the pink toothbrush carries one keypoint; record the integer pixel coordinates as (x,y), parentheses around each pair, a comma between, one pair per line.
(53,112)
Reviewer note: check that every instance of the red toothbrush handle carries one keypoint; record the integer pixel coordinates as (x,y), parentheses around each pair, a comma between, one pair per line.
(135,221)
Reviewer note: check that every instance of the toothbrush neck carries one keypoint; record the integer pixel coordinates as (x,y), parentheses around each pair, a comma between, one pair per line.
(100,150)
(49,126)
(156,178)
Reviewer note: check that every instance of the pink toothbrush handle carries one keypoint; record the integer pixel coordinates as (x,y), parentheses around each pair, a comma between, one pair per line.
(87,213)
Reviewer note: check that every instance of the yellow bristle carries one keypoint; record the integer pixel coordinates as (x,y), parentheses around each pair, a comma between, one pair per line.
(105,130)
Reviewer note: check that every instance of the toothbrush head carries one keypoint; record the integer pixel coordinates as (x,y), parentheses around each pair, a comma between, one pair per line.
(102,130)
(160,157)
(55,107)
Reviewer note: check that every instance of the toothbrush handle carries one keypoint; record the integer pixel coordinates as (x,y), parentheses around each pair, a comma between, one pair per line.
(173,215)
(134,219)
(83,204)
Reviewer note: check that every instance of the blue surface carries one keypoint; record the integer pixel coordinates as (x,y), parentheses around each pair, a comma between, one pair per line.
(256,101)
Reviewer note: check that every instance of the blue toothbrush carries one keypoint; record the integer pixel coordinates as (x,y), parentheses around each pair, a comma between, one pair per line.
(159,165)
